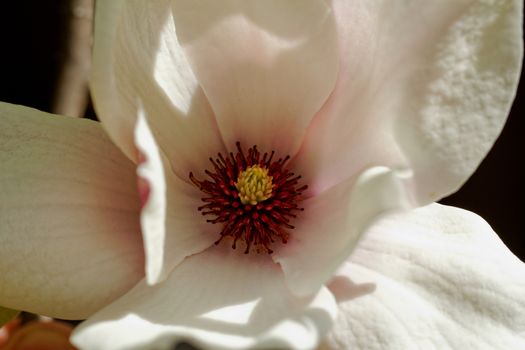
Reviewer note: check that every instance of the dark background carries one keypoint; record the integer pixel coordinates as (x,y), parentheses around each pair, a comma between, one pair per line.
(33,38)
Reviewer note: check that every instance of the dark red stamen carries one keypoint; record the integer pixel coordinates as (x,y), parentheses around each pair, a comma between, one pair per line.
(257,225)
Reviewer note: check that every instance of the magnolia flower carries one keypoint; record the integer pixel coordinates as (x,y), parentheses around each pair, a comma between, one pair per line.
(381,106)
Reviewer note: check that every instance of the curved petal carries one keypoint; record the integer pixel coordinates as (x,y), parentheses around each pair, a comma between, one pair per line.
(423,85)
(266,66)
(218,299)
(437,277)
(69,215)
(332,224)
(172,227)
(137,59)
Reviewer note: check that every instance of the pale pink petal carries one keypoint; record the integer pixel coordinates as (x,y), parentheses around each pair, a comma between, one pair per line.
(172,227)
(332,223)
(434,278)
(218,299)
(369,127)
(69,215)
(266,66)
(424,85)
(138,59)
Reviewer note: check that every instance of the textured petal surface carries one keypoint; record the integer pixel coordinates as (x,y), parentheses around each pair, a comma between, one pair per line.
(424,104)
(138,60)
(332,223)
(218,299)
(423,85)
(266,66)
(69,215)
(172,227)
(434,278)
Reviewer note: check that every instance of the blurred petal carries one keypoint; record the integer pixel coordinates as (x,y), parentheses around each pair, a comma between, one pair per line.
(434,278)
(69,215)
(41,336)
(7,329)
(423,85)
(137,57)
(332,224)
(266,66)
(172,227)
(218,299)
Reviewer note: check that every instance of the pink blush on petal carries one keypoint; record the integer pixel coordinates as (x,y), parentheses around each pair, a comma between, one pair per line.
(144,191)
(143,185)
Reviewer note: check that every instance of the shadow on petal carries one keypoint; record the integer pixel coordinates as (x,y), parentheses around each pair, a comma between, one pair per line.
(344,289)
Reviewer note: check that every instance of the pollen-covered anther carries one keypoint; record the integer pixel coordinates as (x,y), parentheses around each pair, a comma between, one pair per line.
(254,185)
(254,198)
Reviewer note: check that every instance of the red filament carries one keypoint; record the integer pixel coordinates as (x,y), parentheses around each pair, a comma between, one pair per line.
(259,225)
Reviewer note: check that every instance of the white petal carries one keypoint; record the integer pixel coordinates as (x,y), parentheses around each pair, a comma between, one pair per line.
(138,60)
(332,223)
(218,299)
(266,66)
(69,215)
(172,227)
(425,85)
(434,278)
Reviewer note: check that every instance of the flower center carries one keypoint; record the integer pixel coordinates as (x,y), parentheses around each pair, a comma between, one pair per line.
(254,198)
(254,185)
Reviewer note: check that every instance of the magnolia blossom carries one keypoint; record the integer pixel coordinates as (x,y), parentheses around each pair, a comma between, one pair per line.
(381,106)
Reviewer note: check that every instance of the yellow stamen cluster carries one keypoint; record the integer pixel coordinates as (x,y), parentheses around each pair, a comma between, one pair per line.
(254,185)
